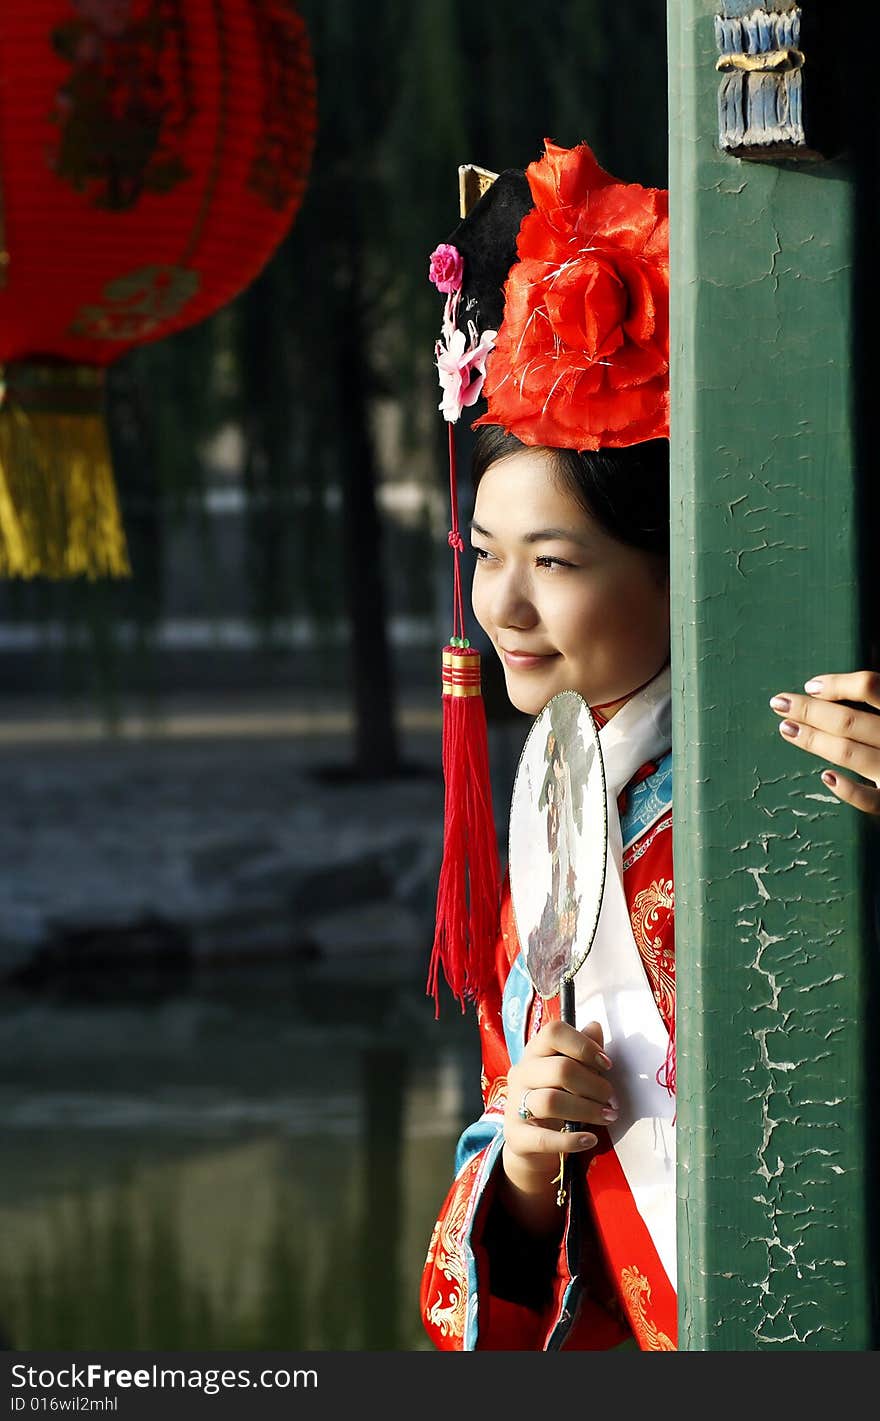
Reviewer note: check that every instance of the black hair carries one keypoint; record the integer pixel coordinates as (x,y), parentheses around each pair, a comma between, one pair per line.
(626,490)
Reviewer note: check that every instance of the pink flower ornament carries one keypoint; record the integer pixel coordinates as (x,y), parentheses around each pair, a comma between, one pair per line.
(446,268)
(461,366)
(461,360)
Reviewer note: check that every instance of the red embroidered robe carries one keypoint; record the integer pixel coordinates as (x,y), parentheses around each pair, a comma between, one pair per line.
(592,1303)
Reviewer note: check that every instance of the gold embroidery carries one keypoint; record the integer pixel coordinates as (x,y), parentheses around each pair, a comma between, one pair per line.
(435,1233)
(448,1311)
(637,1294)
(496,1098)
(659,963)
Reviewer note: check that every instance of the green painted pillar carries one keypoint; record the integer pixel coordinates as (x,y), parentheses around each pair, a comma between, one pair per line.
(773,947)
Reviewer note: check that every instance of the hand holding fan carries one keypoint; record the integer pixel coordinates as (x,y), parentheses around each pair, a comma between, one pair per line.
(557,851)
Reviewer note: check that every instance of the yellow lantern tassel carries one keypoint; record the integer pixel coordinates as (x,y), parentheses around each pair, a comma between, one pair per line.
(59,513)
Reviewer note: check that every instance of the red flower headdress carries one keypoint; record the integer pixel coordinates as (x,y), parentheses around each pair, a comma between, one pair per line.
(577,359)
(582,357)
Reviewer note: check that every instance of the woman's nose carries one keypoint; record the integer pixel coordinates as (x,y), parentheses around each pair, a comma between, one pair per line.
(514,607)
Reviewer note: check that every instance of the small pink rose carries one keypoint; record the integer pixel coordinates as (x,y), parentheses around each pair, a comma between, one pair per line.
(446,268)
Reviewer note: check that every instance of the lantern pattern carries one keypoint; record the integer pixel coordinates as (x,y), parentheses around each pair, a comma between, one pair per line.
(153,154)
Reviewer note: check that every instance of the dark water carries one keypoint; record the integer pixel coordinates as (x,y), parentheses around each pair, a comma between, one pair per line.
(251,1161)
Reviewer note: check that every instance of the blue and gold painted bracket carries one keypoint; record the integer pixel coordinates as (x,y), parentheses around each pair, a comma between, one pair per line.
(760,93)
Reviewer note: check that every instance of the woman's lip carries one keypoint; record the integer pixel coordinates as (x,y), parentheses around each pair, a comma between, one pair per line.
(520,661)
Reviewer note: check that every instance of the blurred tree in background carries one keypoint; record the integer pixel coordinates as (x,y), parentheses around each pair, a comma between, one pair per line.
(323,368)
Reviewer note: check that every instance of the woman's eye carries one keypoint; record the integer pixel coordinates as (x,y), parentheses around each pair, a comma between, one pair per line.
(481,554)
(547,561)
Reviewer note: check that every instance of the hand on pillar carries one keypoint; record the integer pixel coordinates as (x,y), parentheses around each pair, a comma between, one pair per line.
(847,734)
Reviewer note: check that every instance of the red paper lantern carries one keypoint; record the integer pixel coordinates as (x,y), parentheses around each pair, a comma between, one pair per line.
(153,153)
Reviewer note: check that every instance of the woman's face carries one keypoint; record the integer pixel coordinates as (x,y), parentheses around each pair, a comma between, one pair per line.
(567,607)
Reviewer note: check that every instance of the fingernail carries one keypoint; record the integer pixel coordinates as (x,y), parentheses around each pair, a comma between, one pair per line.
(814,685)
(586,1142)
(609,1113)
(603,1060)
(829,779)
(780,703)
(789,728)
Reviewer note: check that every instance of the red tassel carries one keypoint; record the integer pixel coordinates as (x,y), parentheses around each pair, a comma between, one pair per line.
(468,894)
(666,1074)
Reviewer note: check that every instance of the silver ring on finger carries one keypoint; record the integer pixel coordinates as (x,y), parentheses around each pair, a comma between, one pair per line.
(524,1112)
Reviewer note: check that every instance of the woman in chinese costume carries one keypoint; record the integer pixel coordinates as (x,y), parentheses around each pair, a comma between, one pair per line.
(557,314)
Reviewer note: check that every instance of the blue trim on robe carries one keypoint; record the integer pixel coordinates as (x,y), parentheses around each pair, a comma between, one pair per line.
(487,1167)
(487,1133)
(518,993)
(515,1009)
(647,801)
(515,1003)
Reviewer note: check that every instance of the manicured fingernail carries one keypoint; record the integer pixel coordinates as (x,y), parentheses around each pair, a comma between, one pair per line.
(789,728)
(603,1060)
(586,1142)
(812,686)
(609,1113)
(780,703)
(829,779)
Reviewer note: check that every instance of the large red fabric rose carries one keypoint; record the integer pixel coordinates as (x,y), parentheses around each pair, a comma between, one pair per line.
(582,357)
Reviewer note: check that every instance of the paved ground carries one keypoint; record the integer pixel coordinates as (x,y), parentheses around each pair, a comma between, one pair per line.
(219,830)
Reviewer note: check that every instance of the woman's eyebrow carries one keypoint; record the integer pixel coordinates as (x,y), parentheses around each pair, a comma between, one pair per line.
(540,535)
